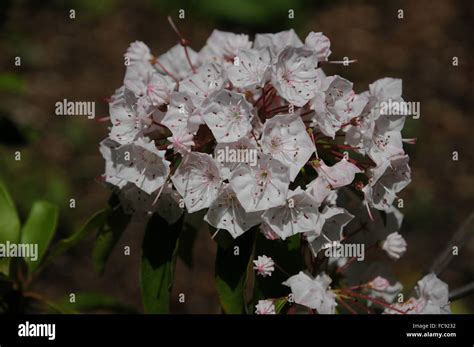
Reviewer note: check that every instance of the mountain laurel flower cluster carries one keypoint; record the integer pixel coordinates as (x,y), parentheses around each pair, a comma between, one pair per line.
(259,138)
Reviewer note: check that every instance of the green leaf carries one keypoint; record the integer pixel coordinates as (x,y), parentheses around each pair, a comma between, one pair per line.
(11,83)
(90,302)
(93,224)
(280,304)
(159,252)
(231,272)
(9,221)
(109,233)
(39,229)
(9,225)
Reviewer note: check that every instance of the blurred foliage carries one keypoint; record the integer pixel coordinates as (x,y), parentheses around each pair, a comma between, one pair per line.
(11,83)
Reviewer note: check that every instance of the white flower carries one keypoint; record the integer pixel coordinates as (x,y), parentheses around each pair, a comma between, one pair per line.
(386,180)
(334,220)
(197,180)
(245,151)
(223,46)
(339,175)
(207,80)
(335,105)
(433,298)
(251,68)
(320,44)
(181,141)
(285,138)
(296,76)
(107,148)
(176,63)
(146,83)
(227,213)
(278,41)
(228,115)
(313,292)
(142,164)
(386,146)
(265,307)
(138,52)
(381,288)
(298,215)
(264,265)
(431,288)
(182,115)
(262,186)
(128,117)
(319,189)
(395,245)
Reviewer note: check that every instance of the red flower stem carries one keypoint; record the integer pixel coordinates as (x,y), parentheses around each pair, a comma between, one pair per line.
(278,109)
(350,309)
(188,58)
(166,71)
(359,305)
(368,298)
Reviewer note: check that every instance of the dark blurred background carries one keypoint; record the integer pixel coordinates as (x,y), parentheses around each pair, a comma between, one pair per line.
(82,59)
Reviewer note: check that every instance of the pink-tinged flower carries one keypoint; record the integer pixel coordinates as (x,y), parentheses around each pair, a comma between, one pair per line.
(265,307)
(311,292)
(181,141)
(278,41)
(296,76)
(395,245)
(176,63)
(300,214)
(227,213)
(268,232)
(251,68)
(200,86)
(320,44)
(262,186)
(223,46)
(285,138)
(148,84)
(142,164)
(197,180)
(228,115)
(264,265)
(381,288)
(379,283)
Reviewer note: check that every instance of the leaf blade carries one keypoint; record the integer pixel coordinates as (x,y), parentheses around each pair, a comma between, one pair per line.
(39,229)
(159,253)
